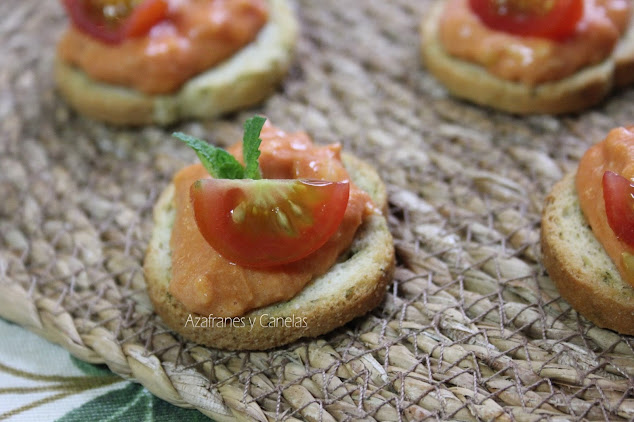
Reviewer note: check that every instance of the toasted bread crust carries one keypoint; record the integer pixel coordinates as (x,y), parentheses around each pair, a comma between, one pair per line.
(243,80)
(624,58)
(351,288)
(470,81)
(576,262)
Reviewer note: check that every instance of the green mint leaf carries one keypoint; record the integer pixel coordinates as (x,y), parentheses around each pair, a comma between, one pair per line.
(250,146)
(218,162)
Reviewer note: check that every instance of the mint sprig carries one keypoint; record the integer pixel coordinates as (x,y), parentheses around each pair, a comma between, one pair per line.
(222,165)
(218,162)
(250,147)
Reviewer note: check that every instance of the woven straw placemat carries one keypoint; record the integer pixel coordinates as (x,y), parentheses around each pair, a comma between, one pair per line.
(471,328)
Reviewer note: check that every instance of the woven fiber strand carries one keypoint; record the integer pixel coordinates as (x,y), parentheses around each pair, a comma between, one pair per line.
(471,328)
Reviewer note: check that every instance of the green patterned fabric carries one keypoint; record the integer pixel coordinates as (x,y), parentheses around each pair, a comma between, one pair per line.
(40,381)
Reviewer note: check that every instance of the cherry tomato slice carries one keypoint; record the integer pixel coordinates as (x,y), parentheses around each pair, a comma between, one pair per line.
(555,19)
(618,194)
(90,17)
(268,222)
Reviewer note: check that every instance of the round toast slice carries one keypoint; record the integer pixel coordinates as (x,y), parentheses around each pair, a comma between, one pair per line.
(243,80)
(576,262)
(352,287)
(472,82)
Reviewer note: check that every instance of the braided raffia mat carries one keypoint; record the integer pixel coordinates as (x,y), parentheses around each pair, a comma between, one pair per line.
(471,329)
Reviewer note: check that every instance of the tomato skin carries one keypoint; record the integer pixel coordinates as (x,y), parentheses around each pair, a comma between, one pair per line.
(618,194)
(144,17)
(557,23)
(138,23)
(268,222)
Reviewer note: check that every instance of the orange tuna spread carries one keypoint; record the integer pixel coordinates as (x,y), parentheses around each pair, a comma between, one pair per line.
(206,283)
(195,36)
(615,153)
(532,60)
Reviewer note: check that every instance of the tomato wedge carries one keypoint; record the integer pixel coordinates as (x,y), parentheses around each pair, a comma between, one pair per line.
(268,222)
(618,194)
(556,19)
(112,21)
